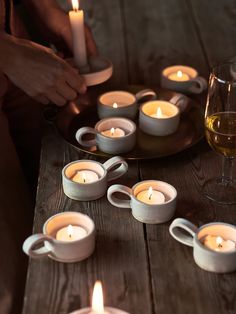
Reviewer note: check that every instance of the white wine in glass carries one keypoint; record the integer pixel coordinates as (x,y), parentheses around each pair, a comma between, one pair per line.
(220,127)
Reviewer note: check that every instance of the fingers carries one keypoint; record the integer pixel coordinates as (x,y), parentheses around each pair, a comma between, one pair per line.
(90,43)
(56,98)
(66,91)
(42,99)
(75,80)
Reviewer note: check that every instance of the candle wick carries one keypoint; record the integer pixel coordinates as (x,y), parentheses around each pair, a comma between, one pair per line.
(84,180)
(150,197)
(219,245)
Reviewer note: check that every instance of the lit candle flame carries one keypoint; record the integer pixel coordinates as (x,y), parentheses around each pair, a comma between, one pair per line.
(84,177)
(115,105)
(75,5)
(112,131)
(150,191)
(179,73)
(70,230)
(159,112)
(97,300)
(219,241)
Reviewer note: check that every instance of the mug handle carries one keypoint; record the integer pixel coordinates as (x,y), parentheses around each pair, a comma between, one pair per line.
(144,93)
(116,201)
(32,241)
(81,132)
(180,100)
(199,86)
(118,172)
(179,235)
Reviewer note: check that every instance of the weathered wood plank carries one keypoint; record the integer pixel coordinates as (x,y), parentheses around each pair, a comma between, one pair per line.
(120,259)
(159,34)
(105,20)
(216,25)
(179,285)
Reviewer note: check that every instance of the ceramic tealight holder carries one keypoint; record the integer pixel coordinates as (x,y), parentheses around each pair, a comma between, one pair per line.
(86,180)
(121,103)
(112,135)
(160,117)
(213,244)
(183,79)
(151,201)
(67,237)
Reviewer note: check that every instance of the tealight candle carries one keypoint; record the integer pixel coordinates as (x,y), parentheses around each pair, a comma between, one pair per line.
(219,244)
(98,303)
(114,132)
(159,114)
(71,233)
(159,118)
(182,78)
(77,27)
(179,76)
(151,196)
(85,176)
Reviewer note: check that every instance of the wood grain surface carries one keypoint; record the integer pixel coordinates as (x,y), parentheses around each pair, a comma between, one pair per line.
(143,269)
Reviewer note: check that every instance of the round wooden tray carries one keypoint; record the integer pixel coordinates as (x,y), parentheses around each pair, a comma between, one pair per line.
(84,113)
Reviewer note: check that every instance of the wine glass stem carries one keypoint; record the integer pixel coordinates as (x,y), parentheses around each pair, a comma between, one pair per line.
(227,170)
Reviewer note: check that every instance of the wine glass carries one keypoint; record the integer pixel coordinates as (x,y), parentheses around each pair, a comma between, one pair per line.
(220,127)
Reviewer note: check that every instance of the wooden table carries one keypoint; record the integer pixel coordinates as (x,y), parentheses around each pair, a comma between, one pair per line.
(143,269)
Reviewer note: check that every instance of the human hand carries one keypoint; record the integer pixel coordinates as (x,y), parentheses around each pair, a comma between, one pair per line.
(41,74)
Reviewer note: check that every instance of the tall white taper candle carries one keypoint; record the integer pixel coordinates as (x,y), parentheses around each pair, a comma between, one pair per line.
(77,27)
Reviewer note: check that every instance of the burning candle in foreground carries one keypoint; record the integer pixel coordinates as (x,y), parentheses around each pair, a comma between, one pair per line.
(85,176)
(159,114)
(219,244)
(151,196)
(76,17)
(71,233)
(98,303)
(114,132)
(179,76)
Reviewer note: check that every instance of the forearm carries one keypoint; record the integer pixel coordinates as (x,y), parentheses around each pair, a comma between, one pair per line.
(6,49)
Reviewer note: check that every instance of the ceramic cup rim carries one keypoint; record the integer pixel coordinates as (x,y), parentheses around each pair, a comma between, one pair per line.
(157,181)
(165,75)
(160,119)
(85,238)
(198,242)
(115,138)
(117,91)
(81,161)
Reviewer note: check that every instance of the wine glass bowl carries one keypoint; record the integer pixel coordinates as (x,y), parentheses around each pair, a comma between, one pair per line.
(220,128)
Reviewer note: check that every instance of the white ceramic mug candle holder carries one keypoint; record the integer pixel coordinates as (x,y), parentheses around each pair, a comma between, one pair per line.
(121,103)
(183,79)
(160,117)
(68,246)
(122,141)
(86,180)
(152,207)
(208,253)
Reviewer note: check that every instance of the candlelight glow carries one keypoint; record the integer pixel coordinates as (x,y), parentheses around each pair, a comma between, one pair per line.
(112,131)
(150,192)
(75,5)
(115,105)
(70,230)
(219,241)
(97,300)
(179,73)
(159,112)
